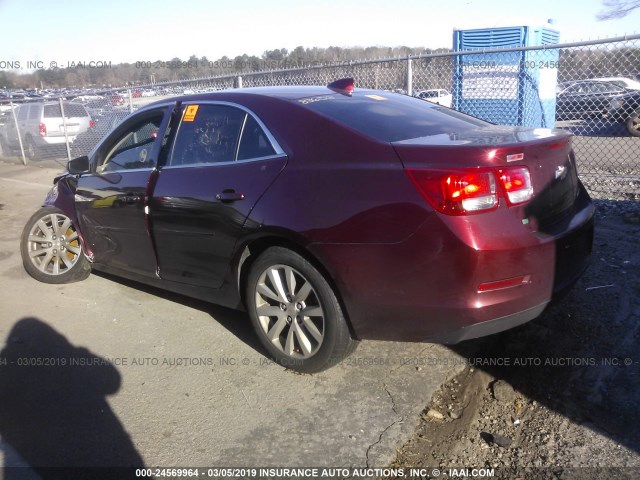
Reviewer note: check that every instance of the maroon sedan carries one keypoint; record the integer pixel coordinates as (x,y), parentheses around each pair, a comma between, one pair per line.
(329,214)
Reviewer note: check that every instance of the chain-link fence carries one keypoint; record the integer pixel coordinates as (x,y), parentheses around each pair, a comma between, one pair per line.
(589,88)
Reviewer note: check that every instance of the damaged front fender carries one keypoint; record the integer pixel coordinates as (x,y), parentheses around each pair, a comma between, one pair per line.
(62,196)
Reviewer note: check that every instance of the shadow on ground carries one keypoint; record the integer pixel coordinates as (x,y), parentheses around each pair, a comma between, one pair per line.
(234,321)
(53,406)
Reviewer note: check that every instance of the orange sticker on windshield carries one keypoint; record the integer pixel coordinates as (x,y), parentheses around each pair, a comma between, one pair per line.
(190,113)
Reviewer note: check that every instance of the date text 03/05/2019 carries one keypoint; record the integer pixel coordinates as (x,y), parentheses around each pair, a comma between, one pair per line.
(312,472)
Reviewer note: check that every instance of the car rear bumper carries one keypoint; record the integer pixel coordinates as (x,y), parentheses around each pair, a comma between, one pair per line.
(427,287)
(54,140)
(495,325)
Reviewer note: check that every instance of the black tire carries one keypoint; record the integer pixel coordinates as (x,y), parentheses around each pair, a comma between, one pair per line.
(30,149)
(633,124)
(304,343)
(51,250)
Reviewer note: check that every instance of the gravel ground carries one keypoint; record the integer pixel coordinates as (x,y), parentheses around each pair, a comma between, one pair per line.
(557,397)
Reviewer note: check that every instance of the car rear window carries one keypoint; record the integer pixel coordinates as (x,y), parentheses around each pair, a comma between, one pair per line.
(391,117)
(618,83)
(70,110)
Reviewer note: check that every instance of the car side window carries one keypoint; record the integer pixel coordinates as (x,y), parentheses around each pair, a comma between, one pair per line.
(207,134)
(132,148)
(254,142)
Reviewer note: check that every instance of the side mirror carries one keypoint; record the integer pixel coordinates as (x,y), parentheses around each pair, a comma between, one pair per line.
(78,165)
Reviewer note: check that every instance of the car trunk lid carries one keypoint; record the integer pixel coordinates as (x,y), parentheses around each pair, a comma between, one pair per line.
(546,153)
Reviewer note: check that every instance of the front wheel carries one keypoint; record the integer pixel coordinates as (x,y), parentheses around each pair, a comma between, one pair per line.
(633,124)
(296,313)
(51,250)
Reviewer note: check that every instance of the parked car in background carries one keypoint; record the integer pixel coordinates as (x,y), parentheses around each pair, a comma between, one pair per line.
(41,126)
(99,107)
(116,99)
(5,117)
(439,96)
(621,82)
(329,214)
(87,98)
(585,99)
(560,86)
(626,109)
(103,124)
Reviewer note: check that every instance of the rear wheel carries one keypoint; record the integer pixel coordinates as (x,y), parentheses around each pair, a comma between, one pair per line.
(51,250)
(295,312)
(633,124)
(31,150)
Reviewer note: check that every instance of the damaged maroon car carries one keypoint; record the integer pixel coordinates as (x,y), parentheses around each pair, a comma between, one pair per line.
(329,214)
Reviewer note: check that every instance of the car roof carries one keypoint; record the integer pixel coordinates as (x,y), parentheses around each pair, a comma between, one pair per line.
(566,85)
(599,80)
(283,92)
(611,78)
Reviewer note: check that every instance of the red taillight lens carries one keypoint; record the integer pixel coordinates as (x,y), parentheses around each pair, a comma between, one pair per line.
(516,182)
(92,124)
(457,192)
(42,129)
(460,192)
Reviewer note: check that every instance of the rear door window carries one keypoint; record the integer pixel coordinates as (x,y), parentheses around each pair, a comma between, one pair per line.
(213,134)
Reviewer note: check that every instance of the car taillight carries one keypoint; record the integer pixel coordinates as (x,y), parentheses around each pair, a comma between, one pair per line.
(460,192)
(92,124)
(516,182)
(457,192)
(42,129)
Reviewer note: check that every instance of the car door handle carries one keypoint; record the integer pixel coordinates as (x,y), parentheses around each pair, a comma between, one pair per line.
(227,196)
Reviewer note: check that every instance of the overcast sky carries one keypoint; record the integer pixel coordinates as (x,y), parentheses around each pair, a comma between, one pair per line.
(128,30)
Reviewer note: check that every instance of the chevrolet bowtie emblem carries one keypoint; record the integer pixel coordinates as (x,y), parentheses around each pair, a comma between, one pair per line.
(561,172)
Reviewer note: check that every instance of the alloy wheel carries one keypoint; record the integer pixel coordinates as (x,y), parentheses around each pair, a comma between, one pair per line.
(53,245)
(289,311)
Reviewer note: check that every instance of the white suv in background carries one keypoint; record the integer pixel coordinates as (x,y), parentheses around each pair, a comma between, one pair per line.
(436,95)
(41,125)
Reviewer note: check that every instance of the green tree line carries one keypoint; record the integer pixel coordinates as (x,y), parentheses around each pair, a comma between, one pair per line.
(574,64)
(176,69)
